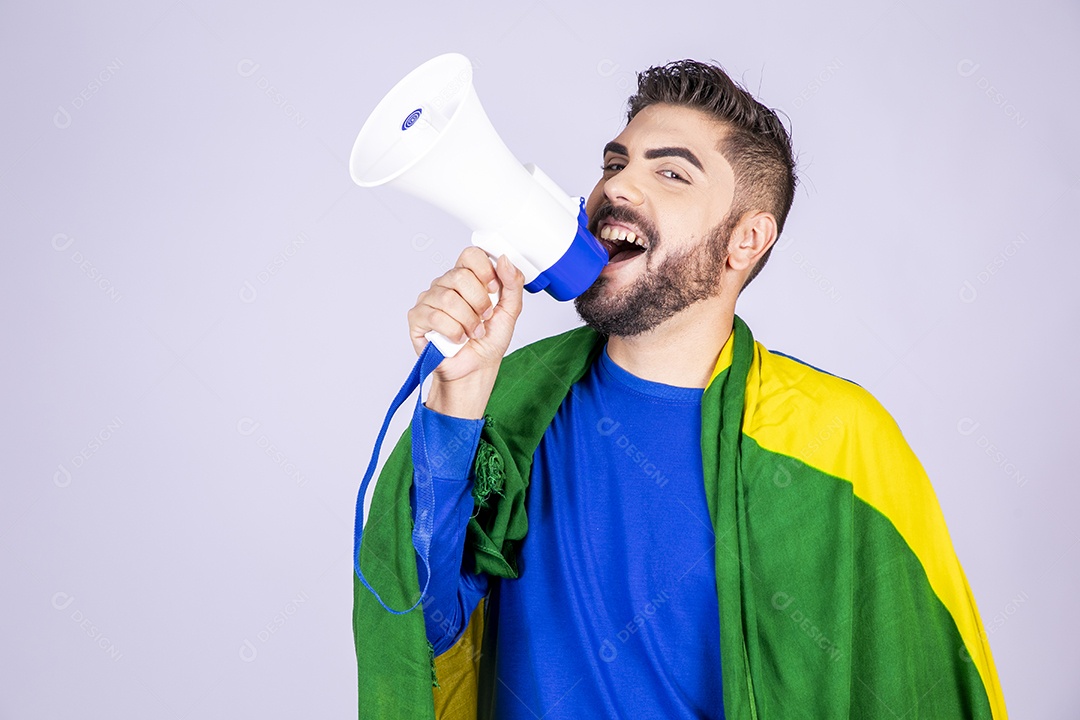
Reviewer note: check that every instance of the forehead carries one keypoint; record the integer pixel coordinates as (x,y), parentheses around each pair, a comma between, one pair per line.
(674,125)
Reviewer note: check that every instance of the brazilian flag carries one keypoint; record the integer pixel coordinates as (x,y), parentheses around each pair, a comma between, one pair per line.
(839,590)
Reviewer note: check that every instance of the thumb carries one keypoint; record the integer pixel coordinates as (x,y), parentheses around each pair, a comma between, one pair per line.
(513,282)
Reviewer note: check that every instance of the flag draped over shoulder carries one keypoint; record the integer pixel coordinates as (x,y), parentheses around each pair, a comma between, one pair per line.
(840,594)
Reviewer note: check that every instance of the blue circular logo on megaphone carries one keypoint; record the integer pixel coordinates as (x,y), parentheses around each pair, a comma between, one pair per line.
(411,119)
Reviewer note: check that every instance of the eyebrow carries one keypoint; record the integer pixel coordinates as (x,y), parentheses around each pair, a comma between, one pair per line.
(676,152)
(620,149)
(617,148)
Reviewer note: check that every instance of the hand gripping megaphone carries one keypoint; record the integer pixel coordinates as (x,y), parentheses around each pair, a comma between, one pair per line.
(431,138)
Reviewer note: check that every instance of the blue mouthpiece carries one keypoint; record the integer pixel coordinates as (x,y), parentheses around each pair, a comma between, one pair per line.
(577,269)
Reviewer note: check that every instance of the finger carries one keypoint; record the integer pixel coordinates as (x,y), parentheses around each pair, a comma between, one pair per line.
(449,303)
(465,283)
(427,318)
(478,261)
(513,282)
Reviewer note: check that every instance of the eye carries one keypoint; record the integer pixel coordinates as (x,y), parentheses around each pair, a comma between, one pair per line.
(613,166)
(672,175)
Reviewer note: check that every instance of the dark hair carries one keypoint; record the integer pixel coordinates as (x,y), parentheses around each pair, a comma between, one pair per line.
(757,144)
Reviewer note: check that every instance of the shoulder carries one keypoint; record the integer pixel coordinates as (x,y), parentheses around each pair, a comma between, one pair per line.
(814,416)
(776,377)
(571,341)
(559,353)
(533,381)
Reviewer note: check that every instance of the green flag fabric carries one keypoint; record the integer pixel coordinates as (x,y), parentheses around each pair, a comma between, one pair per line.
(839,591)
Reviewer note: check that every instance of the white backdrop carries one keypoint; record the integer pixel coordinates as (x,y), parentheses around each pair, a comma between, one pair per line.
(205,319)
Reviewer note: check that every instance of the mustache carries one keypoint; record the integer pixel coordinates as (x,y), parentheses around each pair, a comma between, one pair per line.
(623,214)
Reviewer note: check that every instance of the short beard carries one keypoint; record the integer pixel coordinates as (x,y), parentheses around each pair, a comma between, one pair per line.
(674,285)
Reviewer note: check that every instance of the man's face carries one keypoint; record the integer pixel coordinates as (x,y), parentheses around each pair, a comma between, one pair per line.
(660,208)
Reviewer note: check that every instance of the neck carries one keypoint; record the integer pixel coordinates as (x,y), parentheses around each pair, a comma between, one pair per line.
(682,350)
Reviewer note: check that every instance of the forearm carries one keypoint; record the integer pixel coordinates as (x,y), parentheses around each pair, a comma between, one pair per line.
(465,398)
(446,455)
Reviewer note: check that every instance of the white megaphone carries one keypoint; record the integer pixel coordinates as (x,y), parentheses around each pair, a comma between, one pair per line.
(430,137)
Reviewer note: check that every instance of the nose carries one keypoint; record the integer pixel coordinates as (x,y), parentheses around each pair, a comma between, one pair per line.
(623,187)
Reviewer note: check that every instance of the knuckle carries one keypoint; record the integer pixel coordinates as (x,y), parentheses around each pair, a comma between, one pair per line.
(457,275)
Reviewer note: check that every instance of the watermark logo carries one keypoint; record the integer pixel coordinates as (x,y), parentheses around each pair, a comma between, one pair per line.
(421,242)
(608,427)
(248,427)
(248,651)
(782,477)
(835,426)
(624,79)
(999,620)
(783,601)
(247,68)
(969,291)
(62,477)
(249,293)
(61,242)
(62,118)
(967,427)
(608,651)
(817,82)
(968,68)
(61,601)
(452,447)
(823,283)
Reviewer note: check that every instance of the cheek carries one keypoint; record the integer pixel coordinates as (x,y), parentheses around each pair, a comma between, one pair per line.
(677,232)
(595,199)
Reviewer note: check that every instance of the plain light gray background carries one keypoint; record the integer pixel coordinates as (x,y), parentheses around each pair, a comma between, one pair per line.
(204,319)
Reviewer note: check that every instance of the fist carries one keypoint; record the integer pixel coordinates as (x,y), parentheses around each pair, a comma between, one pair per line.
(457,305)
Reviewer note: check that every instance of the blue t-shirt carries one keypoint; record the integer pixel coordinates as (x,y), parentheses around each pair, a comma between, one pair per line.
(615,611)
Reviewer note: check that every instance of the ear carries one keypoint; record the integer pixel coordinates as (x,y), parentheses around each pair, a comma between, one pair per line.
(752,238)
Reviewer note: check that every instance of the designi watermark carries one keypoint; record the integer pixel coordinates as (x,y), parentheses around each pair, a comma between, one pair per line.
(782,601)
(62,119)
(247,68)
(823,283)
(967,68)
(1011,608)
(61,242)
(967,427)
(608,427)
(421,242)
(817,82)
(608,650)
(248,427)
(61,601)
(969,291)
(249,293)
(62,477)
(248,650)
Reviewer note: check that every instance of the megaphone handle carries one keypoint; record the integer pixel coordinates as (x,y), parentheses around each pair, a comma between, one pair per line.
(448,347)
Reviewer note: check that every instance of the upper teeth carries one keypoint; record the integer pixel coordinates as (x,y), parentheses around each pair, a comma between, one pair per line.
(610,232)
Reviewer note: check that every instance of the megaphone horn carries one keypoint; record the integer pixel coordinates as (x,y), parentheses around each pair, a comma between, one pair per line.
(430,137)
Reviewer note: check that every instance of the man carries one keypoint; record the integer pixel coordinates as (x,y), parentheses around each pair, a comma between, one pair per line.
(654,516)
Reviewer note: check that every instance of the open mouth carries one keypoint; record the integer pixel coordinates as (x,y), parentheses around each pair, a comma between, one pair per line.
(622,243)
